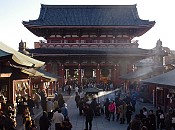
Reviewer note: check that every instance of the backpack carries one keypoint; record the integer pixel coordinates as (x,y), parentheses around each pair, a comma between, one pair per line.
(111,107)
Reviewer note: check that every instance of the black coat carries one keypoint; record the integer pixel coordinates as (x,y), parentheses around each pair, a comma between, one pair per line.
(89,114)
(44,123)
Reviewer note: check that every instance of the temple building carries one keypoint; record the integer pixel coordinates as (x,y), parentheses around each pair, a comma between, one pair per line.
(88,41)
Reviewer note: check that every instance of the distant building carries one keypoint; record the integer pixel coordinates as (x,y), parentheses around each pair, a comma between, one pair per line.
(89,41)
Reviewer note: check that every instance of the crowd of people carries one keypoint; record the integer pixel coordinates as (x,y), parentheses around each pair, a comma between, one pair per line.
(153,120)
(54,110)
(8,114)
(123,111)
(117,109)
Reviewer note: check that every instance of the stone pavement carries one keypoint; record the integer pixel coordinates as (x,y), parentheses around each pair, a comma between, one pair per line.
(99,123)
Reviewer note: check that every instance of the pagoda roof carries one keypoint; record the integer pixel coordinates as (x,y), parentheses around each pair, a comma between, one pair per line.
(88,15)
(88,51)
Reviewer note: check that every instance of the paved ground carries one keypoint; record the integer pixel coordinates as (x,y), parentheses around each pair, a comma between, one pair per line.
(99,123)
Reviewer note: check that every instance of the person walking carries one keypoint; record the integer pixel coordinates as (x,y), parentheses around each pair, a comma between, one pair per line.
(111,109)
(61,101)
(106,104)
(44,121)
(122,110)
(93,105)
(135,124)
(129,110)
(49,106)
(67,125)
(117,104)
(160,117)
(2,118)
(64,111)
(69,90)
(152,120)
(89,114)
(77,98)
(76,89)
(168,119)
(37,100)
(31,105)
(55,104)
(58,119)
(173,119)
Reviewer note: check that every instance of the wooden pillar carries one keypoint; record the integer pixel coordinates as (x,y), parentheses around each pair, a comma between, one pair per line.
(117,72)
(62,74)
(156,104)
(115,75)
(47,90)
(98,74)
(165,92)
(79,74)
(51,87)
(11,94)
(153,96)
(49,67)
(30,87)
(129,68)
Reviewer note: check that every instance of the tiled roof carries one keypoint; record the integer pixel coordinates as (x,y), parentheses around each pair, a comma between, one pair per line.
(88,51)
(163,79)
(51,76)
(88,15)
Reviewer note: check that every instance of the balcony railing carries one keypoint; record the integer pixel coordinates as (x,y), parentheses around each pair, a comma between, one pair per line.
(87,45)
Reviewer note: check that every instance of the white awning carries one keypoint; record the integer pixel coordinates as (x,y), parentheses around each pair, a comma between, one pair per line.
(21,58)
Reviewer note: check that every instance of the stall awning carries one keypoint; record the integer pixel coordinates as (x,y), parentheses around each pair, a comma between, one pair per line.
(92,90)
(136,74)
(32,72)
(20,58)
(51,76)
(41,73)
(166,79)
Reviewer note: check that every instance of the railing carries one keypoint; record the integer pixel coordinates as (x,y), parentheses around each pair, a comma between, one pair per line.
(88,45)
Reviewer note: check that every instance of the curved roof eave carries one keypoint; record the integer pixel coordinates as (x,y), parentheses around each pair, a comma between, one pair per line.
(20,58)
(87,26)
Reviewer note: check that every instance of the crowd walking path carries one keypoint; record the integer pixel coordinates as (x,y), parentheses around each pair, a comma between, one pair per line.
(99,122)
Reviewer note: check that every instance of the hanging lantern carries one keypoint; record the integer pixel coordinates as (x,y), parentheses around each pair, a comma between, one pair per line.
(71,72)
(105,72)
(88,72)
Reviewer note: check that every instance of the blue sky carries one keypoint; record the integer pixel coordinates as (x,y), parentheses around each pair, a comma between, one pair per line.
(13,12)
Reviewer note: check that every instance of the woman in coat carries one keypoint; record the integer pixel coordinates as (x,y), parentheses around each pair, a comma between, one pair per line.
(122,111)
(44,122)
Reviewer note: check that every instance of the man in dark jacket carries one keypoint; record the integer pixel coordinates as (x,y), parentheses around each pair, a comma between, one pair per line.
(44,121)
(77,99)
(93,105)
(30,104)
(89,114)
